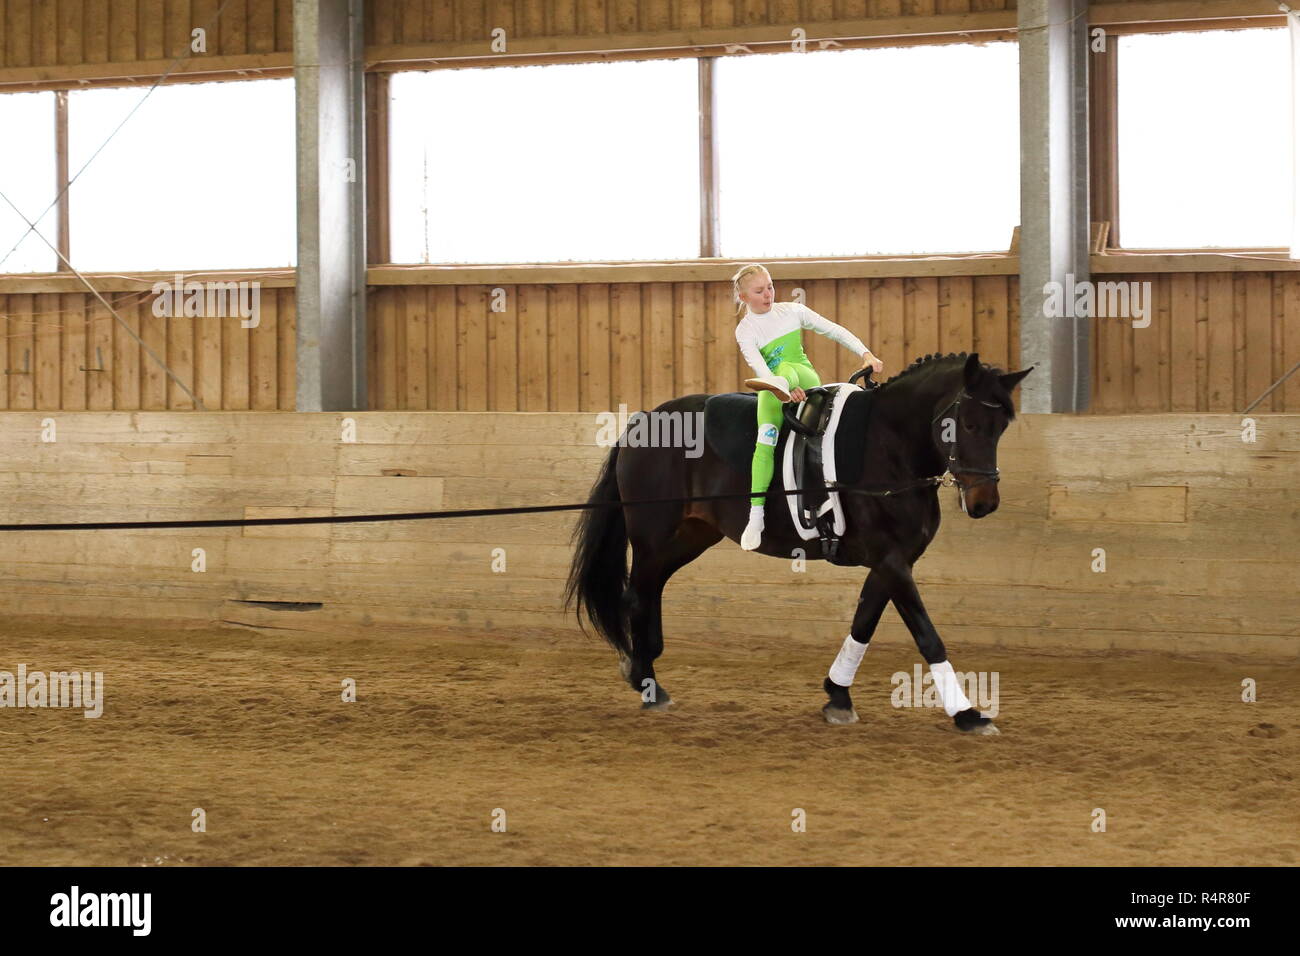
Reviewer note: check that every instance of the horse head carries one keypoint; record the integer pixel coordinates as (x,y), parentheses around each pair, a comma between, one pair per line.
(966,431)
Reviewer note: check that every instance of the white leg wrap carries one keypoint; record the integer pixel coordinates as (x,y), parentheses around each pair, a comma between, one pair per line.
(950,692)
(847,661)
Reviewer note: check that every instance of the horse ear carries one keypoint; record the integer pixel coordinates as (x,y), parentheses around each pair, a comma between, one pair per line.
(971,373)
(1012,379)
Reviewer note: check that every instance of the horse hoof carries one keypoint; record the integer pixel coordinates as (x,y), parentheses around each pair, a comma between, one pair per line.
(661,702)
(970,722)
(838,715)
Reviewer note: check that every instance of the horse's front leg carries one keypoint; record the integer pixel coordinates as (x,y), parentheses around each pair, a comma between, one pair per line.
(871,604)
(907,601)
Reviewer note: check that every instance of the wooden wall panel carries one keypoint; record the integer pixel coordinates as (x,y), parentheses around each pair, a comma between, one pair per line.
(81,32)
(45,32)
(132,41)
(1201,534)
(502,350)
(690,323)
(127,355)
(1215,342)
(408,22)
(65,351)
(593,346)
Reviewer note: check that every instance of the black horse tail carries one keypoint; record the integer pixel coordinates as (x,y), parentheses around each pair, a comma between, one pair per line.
(598,575)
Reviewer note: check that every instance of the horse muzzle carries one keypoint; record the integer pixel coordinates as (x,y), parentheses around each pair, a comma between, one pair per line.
(977,492)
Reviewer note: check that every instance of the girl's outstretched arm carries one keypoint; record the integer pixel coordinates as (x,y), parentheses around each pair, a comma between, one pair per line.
(809,319)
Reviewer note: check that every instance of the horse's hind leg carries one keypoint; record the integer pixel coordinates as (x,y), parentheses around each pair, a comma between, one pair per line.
(653,563)
(641,601)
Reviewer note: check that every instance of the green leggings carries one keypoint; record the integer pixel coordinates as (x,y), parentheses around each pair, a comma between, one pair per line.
(799,375)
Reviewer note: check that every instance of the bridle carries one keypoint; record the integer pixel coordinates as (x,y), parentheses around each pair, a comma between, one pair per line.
(948,479)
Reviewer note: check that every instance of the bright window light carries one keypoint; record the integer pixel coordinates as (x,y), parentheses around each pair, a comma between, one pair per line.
(867,152)
(200,177)
(27,179)
(1203,127)
(589,161)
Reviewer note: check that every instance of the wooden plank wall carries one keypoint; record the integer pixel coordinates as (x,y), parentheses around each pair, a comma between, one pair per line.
(1216,341)
(1201,533)
(77,32)
(431,21)
(36,33)
(52,341)
(568,347)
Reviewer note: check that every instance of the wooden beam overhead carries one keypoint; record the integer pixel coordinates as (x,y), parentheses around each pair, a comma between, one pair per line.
(145,72)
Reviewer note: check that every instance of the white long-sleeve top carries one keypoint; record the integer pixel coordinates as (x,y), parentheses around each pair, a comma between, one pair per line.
(753,332)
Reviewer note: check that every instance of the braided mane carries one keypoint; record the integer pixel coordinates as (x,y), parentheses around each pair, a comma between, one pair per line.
(927,362)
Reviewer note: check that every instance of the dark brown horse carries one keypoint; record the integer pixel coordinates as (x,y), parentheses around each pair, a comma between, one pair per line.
(942,414)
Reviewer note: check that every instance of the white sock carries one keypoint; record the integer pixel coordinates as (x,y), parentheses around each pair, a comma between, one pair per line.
(847,661)
(950,692)
(756,511)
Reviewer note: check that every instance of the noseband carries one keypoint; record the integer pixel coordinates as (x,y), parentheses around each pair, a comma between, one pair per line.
(954,464)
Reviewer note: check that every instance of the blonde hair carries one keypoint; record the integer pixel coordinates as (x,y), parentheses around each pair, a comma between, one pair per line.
(741,275)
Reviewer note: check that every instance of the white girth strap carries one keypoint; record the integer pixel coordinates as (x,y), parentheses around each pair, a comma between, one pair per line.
(828,466)
(829,469)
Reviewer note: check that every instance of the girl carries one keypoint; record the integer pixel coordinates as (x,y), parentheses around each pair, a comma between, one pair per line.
(769,335)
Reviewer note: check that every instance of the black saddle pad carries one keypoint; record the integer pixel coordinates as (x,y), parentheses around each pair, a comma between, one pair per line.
(731,429)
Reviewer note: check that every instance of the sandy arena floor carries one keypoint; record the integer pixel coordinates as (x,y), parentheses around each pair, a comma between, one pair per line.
(250,727)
